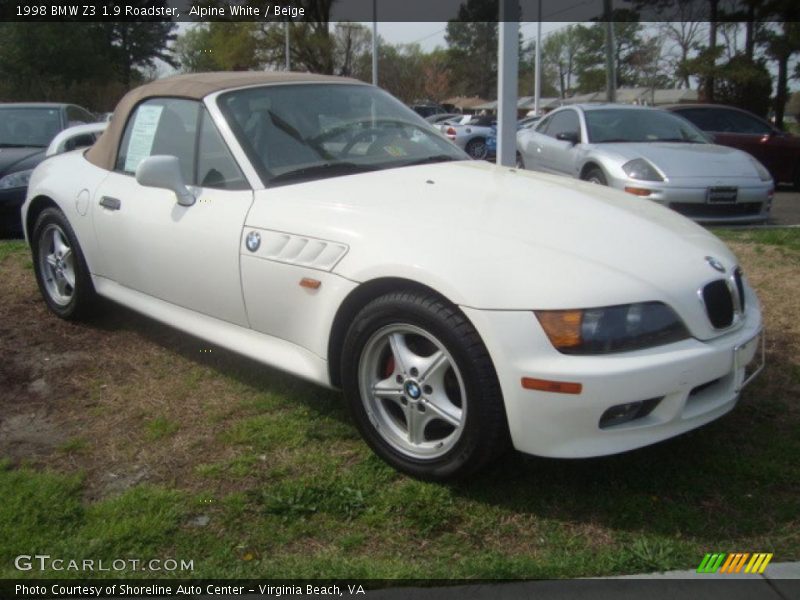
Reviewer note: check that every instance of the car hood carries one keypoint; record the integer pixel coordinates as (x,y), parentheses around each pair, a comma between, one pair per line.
(18,159)
(494,238)
(677,159)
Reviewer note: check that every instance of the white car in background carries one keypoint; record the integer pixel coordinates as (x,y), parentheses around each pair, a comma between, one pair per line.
(653,154)
(319,226)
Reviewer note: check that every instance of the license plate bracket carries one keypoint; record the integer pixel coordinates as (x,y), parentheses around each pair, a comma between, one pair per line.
(750,356)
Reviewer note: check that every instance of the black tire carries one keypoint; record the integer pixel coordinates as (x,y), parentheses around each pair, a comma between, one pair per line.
(477,149)
(483,433)
(520,161)
(81,296)
(595,175)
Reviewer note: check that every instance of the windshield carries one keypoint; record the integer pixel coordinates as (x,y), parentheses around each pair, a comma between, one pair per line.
(638,125)
(25,127)
(302,132)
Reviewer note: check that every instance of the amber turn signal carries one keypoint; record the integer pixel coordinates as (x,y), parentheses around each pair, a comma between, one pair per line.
(309,283)
(546,385)
(563,327)
(637,191)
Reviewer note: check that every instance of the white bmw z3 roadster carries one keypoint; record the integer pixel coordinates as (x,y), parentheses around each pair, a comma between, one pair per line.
(319,226)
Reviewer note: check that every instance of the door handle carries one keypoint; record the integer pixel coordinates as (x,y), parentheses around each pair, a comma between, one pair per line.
(110,203)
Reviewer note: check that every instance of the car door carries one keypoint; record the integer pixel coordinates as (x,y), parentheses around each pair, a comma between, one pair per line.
(558,155)
(530,144)
(185,255)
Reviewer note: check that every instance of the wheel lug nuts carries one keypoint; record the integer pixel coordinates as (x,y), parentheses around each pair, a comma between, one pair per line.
(421,407)
(427,389)
(403,400)
(399,379)
(414,372)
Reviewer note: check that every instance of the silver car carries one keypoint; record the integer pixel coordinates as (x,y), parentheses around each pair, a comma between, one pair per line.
(653,154)
(470,134)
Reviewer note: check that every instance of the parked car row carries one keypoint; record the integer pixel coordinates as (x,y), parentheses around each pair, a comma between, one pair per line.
(28,135)
(318,225)
(687,163)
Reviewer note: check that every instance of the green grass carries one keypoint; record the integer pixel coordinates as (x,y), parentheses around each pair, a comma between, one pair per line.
(286,488)
(785,238)
(10,247)
(160,427)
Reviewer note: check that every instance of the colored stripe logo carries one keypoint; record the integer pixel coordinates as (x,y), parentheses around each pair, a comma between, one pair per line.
(721,562)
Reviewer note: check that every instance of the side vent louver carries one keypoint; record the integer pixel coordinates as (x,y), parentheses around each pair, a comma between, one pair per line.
(300,250)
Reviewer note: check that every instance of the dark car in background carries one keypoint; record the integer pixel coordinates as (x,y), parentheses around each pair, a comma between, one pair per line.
(427,109)
(26,130)
(777,150)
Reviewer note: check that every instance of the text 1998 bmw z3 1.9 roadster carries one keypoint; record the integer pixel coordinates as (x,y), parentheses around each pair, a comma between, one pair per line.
(317,225)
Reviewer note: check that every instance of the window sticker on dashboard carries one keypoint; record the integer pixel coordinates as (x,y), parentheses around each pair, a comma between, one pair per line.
(142,136)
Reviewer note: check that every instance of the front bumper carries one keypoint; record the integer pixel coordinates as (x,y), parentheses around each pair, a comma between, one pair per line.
(690,198)
(696,382)
(11,202)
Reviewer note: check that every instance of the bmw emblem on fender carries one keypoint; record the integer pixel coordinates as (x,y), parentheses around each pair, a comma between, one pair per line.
(253,241)
(715,264)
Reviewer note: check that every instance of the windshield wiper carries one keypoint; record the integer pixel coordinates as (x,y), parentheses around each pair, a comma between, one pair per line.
(332,169)
(436,158)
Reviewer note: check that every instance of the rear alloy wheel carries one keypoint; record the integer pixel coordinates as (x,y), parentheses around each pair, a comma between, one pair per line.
(595,175)
(60,268)
(477,149)
(520,161)
(421,387)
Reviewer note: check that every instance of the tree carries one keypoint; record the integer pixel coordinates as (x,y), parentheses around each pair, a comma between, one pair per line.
(685,37)
(630,54)
(559,52)
(351,40)
(220,46)
(137,45)
(745,83)
(83,62)
(781,43)
(472,48)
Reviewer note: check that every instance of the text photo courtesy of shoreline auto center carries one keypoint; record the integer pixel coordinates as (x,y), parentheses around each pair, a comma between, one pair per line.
(359,298)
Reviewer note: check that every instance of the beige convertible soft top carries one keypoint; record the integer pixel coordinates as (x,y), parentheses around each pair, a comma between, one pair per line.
(192,85)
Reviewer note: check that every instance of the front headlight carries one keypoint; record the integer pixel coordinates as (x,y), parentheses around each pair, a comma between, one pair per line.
(612,328)
(19,179)
(639,168)
(761,170)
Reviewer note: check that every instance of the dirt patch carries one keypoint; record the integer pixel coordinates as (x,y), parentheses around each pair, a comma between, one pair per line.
(84,396)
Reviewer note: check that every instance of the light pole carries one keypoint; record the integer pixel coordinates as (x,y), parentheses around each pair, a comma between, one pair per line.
(508,42)
(374,42)
(286,49)
(537,76)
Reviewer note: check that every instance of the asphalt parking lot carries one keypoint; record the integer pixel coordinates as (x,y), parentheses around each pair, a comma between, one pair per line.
(785,208)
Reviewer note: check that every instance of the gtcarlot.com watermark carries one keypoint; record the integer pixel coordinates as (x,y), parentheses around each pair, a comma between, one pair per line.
(45,562)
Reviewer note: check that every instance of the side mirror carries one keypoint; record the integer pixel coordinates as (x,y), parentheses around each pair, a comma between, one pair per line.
(164,172)
(568,136)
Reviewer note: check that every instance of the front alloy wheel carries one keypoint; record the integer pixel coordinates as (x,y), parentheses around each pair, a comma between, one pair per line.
(421,386)
(412,391)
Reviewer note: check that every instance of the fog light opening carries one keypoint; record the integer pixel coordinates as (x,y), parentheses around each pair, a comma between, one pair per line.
(630,411)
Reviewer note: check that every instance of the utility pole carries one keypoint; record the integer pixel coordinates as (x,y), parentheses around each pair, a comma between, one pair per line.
(286,49)
(508,65)
(537,76)
(374,42)
(611,76)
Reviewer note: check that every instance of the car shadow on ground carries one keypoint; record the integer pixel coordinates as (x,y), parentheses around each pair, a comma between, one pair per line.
(723,481)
